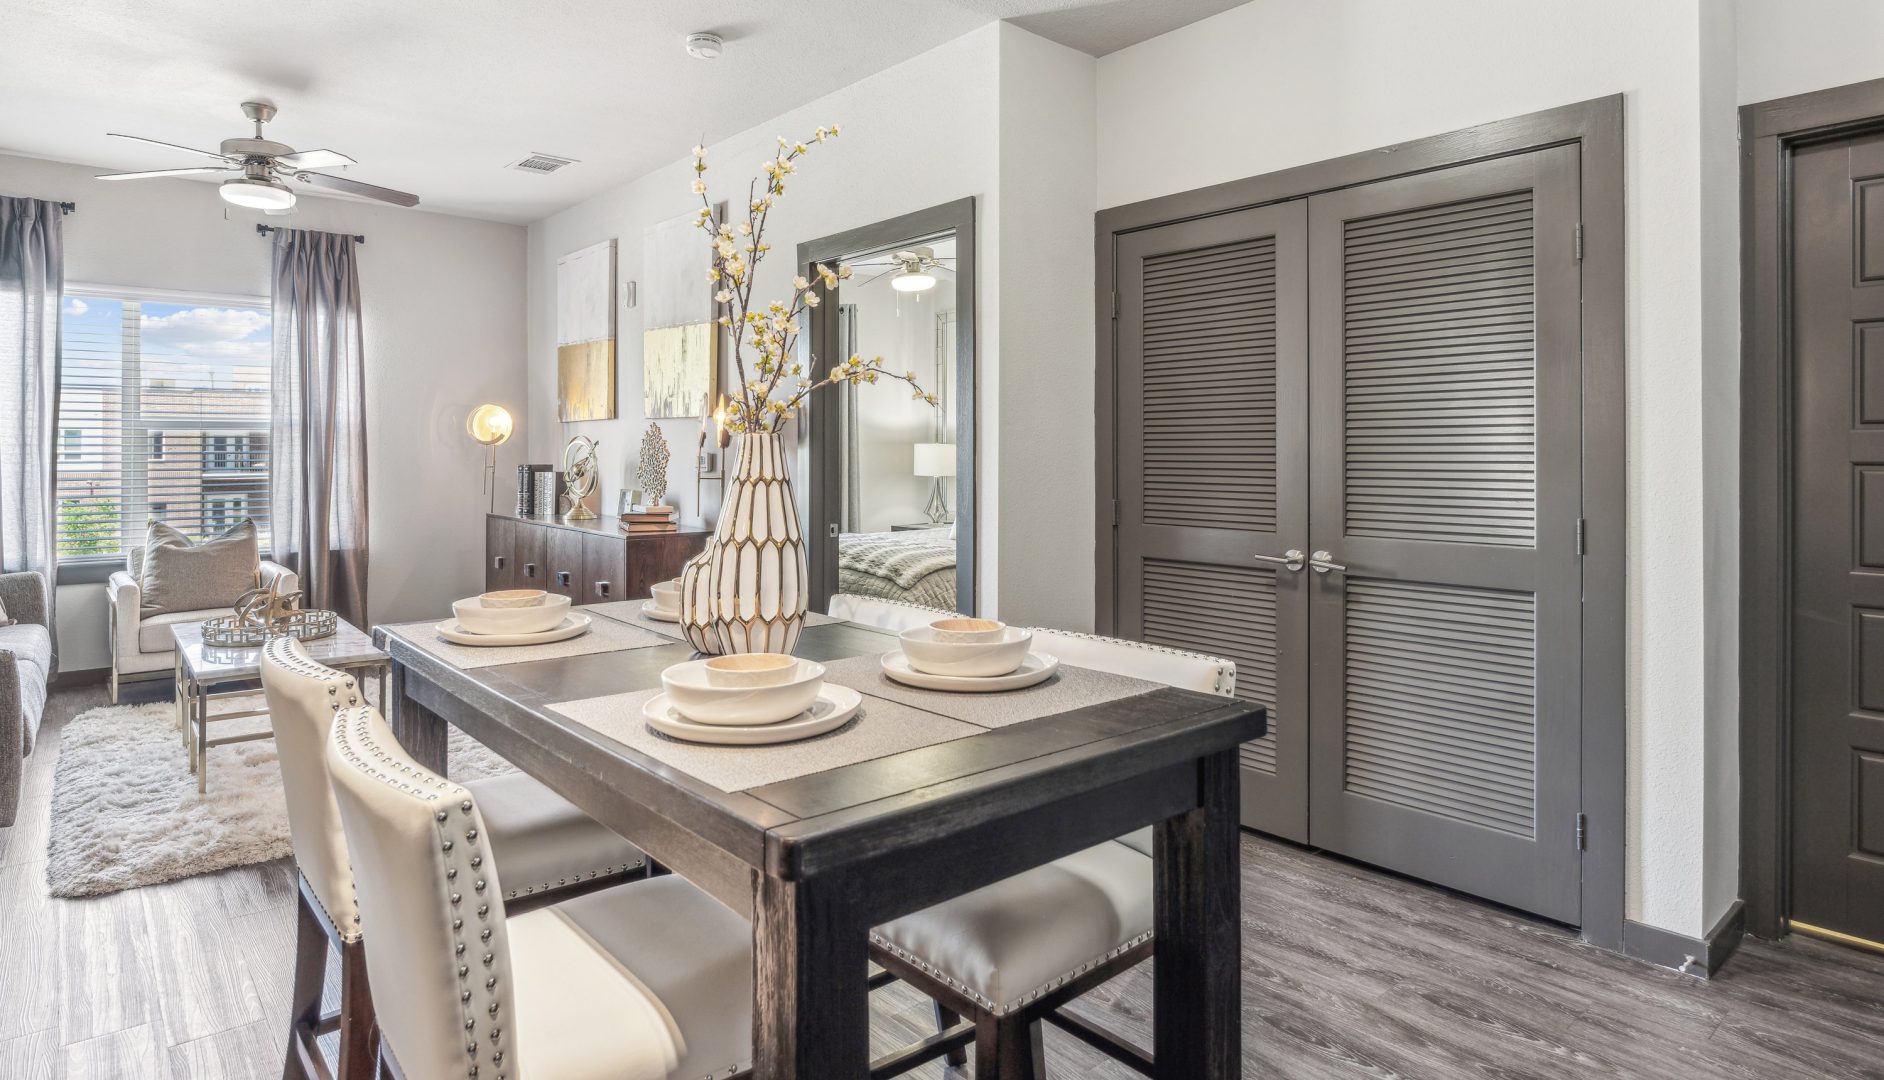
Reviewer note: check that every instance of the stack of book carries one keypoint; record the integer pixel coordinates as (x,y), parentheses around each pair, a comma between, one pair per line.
(536,490)
(652,519)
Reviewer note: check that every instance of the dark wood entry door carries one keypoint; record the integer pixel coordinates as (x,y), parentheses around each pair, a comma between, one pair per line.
(1837,832)
(1445,591)
(1212,470)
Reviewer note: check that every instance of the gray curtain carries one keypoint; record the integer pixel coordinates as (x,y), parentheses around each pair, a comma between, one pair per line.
(32,286)
(317,456)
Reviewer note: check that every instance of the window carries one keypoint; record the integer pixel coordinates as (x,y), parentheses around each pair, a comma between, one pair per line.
(163,412)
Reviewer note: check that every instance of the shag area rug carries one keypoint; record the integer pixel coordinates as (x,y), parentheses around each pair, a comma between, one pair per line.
(125,811)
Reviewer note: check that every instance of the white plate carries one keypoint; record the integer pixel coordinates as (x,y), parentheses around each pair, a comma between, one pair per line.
(658,614)
(577,622)
(833,709)
(1038,667)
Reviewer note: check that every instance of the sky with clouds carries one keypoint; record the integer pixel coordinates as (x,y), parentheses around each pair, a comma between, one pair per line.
(184,333)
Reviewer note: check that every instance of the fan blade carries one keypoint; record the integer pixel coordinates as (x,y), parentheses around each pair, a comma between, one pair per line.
(169,145)
(164,172)
(874,277)
(314,159)
(354,187)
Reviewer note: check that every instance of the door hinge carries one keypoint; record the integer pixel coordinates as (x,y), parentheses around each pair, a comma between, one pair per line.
(1579,241)
(1583,536)
(1115,304)
(1583,832)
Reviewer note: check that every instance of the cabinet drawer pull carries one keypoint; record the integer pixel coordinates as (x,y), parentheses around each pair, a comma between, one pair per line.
(601,589)
(529,569)
(497,563)
(562,579)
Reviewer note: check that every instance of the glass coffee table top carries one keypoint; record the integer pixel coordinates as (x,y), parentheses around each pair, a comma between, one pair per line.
(347,646)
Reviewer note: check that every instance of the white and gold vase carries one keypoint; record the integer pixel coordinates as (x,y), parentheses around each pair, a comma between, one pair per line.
(746,592)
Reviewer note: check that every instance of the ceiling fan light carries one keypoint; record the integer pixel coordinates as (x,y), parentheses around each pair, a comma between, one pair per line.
(257,194)
(912,281)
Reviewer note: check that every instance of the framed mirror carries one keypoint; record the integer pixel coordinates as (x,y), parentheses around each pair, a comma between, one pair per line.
(891,507)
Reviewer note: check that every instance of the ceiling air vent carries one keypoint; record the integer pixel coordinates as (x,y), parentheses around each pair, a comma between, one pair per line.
(541,163)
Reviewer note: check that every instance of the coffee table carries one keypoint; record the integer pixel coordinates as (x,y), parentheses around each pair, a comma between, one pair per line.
(201,668)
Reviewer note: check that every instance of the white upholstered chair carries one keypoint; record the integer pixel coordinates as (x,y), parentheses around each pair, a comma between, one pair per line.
(551,850)
(142,647)
(892,615)
(643,981)
(1012,953)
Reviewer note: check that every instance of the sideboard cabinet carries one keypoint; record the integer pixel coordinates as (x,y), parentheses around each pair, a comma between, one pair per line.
(590,562)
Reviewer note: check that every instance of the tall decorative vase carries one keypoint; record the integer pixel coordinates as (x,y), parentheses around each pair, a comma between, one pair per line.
(746,592)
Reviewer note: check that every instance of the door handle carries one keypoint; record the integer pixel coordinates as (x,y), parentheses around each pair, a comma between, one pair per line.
(1321,564)
(1290,559)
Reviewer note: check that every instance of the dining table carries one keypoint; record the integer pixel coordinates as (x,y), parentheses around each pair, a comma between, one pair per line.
(926,795)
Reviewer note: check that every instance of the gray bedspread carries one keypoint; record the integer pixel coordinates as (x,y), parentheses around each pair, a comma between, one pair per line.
(917,567)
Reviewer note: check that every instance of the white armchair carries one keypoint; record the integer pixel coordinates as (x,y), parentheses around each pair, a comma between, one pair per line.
(143,648)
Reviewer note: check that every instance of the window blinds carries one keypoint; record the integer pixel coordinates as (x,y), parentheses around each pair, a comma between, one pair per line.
(163,413)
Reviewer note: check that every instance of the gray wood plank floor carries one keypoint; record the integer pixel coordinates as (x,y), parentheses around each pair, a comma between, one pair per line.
(1346,972)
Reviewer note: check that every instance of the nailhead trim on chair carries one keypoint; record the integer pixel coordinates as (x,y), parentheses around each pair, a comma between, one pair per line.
(1226,669)
(606,871)
(358,732)
(998,1008)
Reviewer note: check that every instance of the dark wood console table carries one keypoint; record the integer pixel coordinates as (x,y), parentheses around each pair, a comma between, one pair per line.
(588,561)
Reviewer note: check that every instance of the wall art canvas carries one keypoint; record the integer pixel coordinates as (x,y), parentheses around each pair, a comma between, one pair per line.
(585,333)
(679,340)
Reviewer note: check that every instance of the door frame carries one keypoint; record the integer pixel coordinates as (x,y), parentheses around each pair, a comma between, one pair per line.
(824,449)
(1596,128)
(1770,131)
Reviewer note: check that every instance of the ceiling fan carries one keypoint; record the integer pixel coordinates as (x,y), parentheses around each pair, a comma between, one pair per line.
(265,167)
(912,269)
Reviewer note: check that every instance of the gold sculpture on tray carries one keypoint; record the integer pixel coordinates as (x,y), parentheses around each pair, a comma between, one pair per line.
(579,468)
(266,606)
(264,612)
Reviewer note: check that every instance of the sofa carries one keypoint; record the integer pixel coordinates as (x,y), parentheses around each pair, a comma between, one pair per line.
(141,645)
(25,665)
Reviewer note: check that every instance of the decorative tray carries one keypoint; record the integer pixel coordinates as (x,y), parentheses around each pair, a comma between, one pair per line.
(232,632)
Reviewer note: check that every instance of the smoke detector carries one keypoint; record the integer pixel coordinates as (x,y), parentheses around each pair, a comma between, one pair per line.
(705,46)
(540,164)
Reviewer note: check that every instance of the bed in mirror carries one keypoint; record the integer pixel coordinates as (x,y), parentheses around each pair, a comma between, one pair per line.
(891,493)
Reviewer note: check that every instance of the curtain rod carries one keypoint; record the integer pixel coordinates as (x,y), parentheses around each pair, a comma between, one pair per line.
(264,230)
(66,207)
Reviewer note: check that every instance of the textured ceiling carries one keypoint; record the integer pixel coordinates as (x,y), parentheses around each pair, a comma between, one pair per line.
(435,97)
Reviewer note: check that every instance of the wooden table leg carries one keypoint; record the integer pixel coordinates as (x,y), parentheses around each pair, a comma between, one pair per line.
(811,1008)
(1197,996)
(421,731)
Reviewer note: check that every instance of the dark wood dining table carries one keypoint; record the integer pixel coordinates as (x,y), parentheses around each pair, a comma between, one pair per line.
(818,860)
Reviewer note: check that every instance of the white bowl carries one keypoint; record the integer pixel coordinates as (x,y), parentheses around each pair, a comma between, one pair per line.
(513,598)
(963,628)
(971,659)
(479,618)
(666,595)
(751,669)
(698,699)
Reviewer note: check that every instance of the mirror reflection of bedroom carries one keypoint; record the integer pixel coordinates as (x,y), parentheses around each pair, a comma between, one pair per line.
(896,493)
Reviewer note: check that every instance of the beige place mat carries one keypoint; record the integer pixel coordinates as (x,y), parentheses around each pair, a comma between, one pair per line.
(879,729)
(605,635)
(630,612)
(1070,688)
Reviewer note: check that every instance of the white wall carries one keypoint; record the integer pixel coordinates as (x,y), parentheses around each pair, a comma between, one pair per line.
(901,328)
(1276,83)
(1789,47)
(443,299)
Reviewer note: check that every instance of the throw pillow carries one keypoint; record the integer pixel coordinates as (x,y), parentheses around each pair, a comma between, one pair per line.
(182,575)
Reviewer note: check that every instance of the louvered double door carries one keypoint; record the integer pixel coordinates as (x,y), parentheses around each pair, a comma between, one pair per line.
(1385,380)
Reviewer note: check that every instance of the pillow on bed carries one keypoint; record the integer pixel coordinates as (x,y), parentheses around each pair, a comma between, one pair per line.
(182,575)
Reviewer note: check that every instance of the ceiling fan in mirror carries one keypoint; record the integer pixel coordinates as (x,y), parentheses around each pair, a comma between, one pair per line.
(915,268)
(265,169)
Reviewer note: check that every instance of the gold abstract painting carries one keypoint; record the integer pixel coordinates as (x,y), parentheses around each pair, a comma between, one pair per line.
(585,381)
(678,365)
(585,333)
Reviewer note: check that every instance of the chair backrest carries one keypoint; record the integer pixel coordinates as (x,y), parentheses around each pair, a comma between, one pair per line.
(1156,663)
(431,903)
(892,615)
(303,697)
